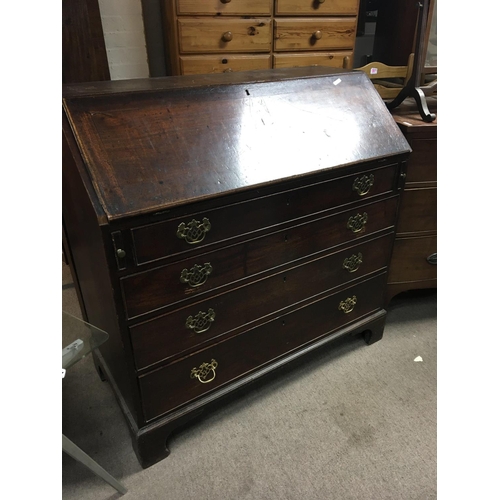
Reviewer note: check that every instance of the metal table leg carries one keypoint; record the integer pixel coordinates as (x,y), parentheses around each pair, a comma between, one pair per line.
(74,451)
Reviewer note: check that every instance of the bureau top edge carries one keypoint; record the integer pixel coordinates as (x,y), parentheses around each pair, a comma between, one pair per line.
(156,84)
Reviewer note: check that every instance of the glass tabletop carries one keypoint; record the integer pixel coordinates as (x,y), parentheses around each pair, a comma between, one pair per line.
(78,339)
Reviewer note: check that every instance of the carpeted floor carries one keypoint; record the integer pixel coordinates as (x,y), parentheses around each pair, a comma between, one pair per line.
(353,422)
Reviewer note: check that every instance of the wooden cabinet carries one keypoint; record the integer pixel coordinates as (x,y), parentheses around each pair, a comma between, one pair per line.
(211,258)
(222,36)
(414,260)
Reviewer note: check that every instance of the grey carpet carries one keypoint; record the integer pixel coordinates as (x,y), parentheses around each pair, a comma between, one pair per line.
(352,422)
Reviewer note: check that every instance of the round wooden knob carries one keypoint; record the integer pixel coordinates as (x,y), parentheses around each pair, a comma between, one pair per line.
(317,35)
(227,36)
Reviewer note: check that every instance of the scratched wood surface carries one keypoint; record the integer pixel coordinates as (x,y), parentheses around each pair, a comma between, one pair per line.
(149,149)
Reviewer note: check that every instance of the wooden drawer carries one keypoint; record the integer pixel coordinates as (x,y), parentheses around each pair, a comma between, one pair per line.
(221,7)
(422,164)
(167,388)
(340,59)
(315,8)
(299,34)
(167,336)
(152,290)
(191,65)
(161,240)
(410,259)
(418,210)
(206,35)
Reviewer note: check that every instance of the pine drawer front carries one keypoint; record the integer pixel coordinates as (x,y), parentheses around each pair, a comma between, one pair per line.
(224,35)
(314,34)
(199,230)
(414,259)
(168,388)
(227,63)
(173,334)
(418,211)
(315,8)
(339,59)
(227,7)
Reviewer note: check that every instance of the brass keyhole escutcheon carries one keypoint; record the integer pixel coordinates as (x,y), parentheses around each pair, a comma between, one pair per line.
(353,262)
(205,373)
(193,232)
(356,223)
(363,184)
(197,275)
(348,304)
(201,322)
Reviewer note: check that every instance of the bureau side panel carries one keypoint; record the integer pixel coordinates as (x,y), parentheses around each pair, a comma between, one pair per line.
(86,229)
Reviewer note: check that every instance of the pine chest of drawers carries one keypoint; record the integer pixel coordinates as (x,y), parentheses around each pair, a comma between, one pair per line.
(220,36)
(221,226)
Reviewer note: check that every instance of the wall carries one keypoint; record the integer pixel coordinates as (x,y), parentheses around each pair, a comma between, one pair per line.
(123,27)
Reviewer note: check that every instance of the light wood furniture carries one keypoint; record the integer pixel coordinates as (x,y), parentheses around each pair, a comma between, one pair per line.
(222,36)
(382,77)
(414,259)
(223,226)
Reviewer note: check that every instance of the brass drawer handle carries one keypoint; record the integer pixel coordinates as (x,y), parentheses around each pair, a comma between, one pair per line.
(348,304)
(317,35)
(201,322)
(433,259)
(197,275)
(193,232)
(363,184)
(357,222)
(205,373)
(353,262)
(227,36)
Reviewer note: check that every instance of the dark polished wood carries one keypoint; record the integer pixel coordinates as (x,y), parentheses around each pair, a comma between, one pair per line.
(411,88)
(84,56)
(162,288)
(196,142)
(411,260)
(245,222)
(167,336)
(244,352)
(416,232)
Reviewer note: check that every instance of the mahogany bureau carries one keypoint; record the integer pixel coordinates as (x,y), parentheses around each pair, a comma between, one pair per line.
(222,226)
